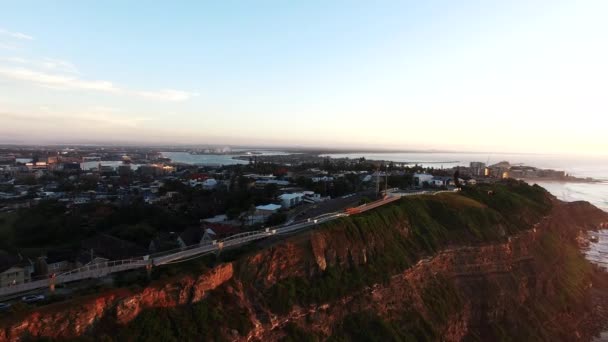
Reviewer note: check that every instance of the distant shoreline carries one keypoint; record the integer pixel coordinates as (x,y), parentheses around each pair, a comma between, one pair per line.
(557,180)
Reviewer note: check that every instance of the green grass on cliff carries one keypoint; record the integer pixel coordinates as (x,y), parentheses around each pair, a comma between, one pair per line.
(396,236)
(440,298)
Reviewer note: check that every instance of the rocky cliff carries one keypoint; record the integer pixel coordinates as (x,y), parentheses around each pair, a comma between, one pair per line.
(486,264)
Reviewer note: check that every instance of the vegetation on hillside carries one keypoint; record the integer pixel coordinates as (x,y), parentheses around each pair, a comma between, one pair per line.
(434,222)
(397,236)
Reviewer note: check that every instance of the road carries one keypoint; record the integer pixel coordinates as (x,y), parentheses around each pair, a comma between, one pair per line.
(106,268)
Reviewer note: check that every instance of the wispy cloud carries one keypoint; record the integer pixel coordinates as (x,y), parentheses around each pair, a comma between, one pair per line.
(166,95)
(6,46)
(15,35)
(60,81)
(49,64)
(56,81)
(62,75)
(58,64)
(100,117)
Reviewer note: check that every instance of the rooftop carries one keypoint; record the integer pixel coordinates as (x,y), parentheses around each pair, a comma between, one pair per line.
(269,207)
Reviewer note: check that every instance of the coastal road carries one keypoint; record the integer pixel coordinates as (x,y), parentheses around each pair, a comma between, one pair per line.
(106,268)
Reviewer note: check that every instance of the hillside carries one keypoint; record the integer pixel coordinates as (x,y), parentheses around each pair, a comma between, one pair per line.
(496,262)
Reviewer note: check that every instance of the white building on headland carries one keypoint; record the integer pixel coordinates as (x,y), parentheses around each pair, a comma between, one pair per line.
(421,178)
(291,200)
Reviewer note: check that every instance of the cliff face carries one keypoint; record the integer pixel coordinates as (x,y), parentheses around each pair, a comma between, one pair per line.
(79,317)
(470,266)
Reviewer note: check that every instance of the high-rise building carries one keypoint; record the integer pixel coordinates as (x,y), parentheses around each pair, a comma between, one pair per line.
(477,168)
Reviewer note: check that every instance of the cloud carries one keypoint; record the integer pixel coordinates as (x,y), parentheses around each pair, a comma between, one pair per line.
(50,64)
(58,64)
(5,46)
(56,81)
(167,95)
(15,35)
(98,117)
(74,82)
(62,75)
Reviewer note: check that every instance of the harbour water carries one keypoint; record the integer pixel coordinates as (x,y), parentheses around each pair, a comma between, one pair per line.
(203,159)
(215,159)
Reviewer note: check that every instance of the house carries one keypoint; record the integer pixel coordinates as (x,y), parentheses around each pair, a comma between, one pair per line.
(322,179)
(113,248)
(312,197)
(267,209)
(205,183)
(89,258)
(264,182)
(36,166)
(216,219)
(291,200)
(262,212)
(191,237)
(164,242)
(58,261)
(259,177)
(218,231)
(421,178)
(441,181)
(209,184)
(11,271)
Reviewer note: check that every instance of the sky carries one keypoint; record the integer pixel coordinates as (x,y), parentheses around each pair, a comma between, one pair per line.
(505,76)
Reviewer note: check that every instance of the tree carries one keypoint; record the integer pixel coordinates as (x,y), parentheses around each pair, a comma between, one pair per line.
(251,213)
(276,219)
(232,213)
(271,191)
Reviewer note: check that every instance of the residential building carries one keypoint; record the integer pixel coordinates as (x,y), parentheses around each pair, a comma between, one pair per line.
(322,179)
(218,231)
(11,271)
(267,210)
(291,200)
(216,219)
(36,166)
(209,184)
(264,182)
(421,178)
(191,237)
(312,197)
(441,181)
(477,168)
(112,248)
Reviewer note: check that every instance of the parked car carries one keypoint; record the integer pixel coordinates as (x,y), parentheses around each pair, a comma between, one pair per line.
(4,306)
(32,298)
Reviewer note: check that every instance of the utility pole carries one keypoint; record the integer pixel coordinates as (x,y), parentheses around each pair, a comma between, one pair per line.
(386,181)
(378,181)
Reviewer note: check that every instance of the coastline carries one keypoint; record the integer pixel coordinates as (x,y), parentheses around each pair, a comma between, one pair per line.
(562,181)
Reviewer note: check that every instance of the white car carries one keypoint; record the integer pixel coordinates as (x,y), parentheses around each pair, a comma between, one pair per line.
(32,298)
